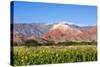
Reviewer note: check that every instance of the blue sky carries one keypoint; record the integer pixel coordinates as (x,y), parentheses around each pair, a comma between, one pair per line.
(29,12)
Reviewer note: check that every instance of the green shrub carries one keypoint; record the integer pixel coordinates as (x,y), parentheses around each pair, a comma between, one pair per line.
(31,43)
(52,43)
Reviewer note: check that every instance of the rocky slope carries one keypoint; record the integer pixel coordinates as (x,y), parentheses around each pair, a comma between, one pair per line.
(57,32)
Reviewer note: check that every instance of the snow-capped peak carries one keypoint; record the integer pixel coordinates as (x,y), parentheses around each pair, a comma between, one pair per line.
(60,25)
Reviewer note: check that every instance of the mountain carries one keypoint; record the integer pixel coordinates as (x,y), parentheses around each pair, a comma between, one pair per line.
(62,32)
(57,32)
(89,35)
(19,38)
(30,29)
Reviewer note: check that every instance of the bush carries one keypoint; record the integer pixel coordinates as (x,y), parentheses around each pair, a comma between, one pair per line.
(49,43)
(17,44)
(69,43)
(52,43)
(31,43)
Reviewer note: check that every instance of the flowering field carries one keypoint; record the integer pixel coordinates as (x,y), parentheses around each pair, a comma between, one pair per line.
(53,54)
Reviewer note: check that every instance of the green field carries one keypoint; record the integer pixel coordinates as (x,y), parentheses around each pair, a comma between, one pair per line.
(23,55)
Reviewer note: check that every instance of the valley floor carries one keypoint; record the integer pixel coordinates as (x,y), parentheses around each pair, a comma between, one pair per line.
(23,55)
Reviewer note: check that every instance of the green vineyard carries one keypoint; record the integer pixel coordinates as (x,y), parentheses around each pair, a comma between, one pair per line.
(53,54)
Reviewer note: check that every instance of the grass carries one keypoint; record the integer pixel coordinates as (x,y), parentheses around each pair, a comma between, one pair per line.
(53,54)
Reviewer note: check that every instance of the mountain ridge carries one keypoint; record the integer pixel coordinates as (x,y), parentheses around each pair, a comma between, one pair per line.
(57,32)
